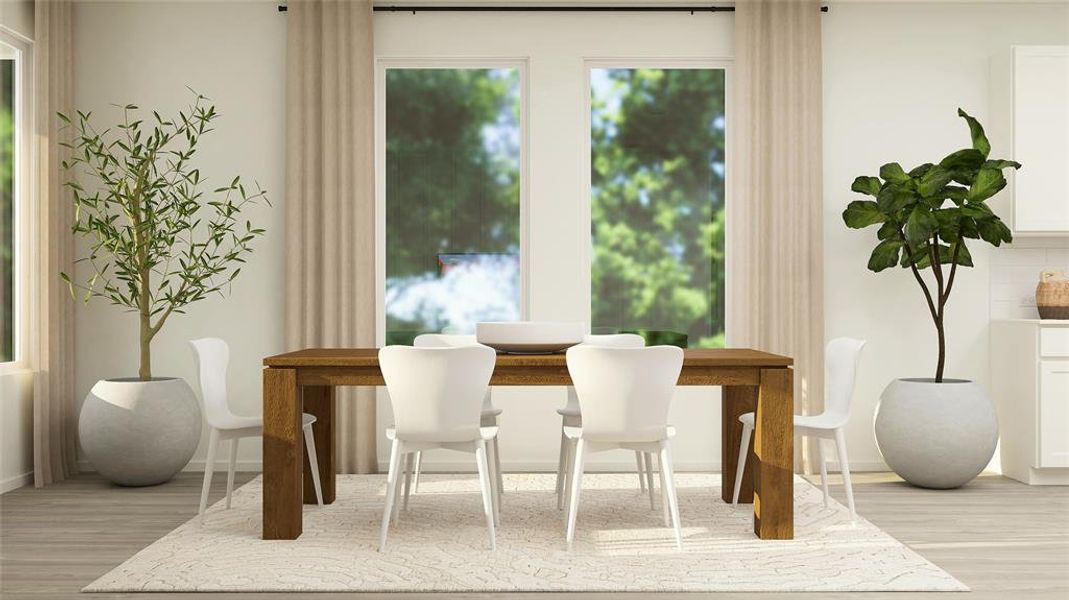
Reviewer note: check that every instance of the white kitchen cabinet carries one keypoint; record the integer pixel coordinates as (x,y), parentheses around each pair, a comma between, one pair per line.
(1054,413)
(1030,385)
(1039,133)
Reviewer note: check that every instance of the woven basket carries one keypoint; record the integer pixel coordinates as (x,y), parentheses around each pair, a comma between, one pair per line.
(1052,295)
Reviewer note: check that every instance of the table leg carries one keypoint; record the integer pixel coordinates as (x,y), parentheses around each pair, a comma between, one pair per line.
(319,401)
(774,444)
(282,452)
(736,400)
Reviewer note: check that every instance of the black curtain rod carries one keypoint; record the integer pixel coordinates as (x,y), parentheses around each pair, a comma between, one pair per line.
(603,8)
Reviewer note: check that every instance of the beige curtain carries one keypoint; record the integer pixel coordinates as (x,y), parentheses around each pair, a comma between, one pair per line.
(330,199)
(52,308)
(777,255)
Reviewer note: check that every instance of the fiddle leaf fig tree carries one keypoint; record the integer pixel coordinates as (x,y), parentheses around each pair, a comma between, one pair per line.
(925,215)
(157,241)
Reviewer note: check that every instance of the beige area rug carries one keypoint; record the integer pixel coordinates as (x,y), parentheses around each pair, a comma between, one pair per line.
(441,545)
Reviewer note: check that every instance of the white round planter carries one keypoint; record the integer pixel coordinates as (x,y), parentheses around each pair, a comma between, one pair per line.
(139,432)
(936,435)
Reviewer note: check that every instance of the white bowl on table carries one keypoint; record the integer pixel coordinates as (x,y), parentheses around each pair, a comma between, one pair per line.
(529,337)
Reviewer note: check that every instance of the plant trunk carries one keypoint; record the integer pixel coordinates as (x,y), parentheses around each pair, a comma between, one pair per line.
(147,332)
(145,371)
(942,350)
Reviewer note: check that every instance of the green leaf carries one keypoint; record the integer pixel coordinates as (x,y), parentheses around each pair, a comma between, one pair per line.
(1000,164)
(895,197)
(963,165)
(921,224)
(964,257)
(893,172)
(862,213)
(933,181)
(889,230)
(866,185)
(994,231)
(949,223)
(920,170)
(988,182)
(976,131)
(885,255)
(976,210)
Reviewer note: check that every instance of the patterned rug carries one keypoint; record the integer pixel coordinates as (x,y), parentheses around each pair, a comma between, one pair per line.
(441,545)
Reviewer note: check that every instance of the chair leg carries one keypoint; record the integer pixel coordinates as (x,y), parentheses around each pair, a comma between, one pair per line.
(569,469)
(209,468)
(415,471)
(313,462)
(664,492)
(484,483)
(561,469)
(668,477)
(231,467)
(844,467)
(399,484)
(576,485)
(391,491)
(641,475)
(647,460)
(823,469)
(409,467)
(497,469)
(744,449)
(495,493)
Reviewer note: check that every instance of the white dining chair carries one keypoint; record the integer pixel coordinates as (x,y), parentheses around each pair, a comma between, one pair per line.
(437,396)
(571,417)
(624,395)
(841,358)
(489,417)
(212,357)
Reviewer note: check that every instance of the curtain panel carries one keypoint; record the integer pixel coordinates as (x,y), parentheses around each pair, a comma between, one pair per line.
(777,251)
(51,309)
(330,200)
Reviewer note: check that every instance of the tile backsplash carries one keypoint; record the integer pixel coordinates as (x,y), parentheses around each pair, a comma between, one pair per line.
(1015,273)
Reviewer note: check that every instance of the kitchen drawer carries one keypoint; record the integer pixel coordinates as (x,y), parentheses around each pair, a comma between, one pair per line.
(1054,341)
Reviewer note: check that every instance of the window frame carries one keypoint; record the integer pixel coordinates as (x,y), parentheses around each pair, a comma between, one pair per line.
(23,237)
(381,66)
(586,200)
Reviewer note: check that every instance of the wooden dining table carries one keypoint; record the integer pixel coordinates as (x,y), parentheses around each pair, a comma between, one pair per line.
(752,381)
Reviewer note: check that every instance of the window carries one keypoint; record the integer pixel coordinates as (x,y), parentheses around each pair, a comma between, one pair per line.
(452,199)
(9,180)
(657,203)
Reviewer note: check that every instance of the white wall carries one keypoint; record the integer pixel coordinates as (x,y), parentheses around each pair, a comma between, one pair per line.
(146,53)
(16,429)
(17,15)
(894,76)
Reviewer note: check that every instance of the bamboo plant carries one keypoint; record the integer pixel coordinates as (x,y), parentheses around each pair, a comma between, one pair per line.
(157,242)
(926,215)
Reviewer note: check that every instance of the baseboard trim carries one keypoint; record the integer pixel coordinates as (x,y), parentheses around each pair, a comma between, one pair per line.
(15,482)
(460,466)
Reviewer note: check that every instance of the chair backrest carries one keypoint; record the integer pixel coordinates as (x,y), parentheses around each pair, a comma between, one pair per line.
(624,393)
(437,393)
(612,340)
(615,340)
(443,340)
(452,340)
(841,357)
(211,357)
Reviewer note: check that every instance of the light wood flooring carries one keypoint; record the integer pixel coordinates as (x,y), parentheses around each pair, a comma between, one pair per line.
(1004,539)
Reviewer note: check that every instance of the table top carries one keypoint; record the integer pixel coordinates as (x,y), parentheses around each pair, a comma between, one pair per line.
(369,357)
